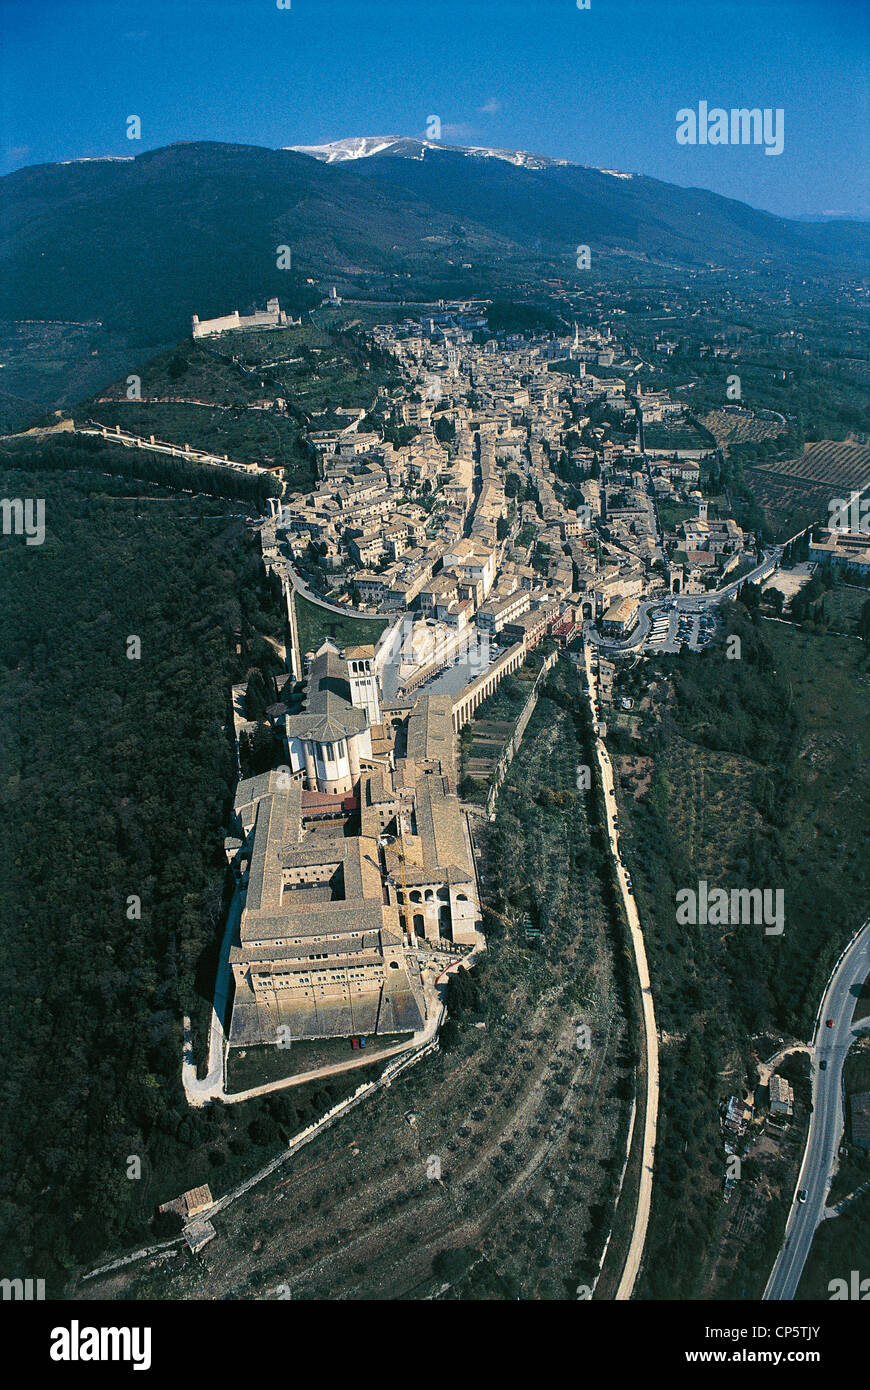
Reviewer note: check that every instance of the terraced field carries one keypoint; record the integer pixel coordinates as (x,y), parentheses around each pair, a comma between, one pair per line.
(489,737)
(484,737)
(731,428)
(832,462)
(794,492)
(529,1127)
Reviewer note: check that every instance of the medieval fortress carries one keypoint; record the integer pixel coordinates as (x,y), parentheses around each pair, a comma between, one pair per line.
(273,316)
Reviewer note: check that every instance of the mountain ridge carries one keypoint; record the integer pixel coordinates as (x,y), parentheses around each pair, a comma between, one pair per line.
(143,243)
(410,147)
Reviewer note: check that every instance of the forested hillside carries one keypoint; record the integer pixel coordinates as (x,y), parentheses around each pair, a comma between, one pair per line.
(115,781)
(753,774)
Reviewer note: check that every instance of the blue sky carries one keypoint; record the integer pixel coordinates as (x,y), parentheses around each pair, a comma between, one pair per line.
(599,86)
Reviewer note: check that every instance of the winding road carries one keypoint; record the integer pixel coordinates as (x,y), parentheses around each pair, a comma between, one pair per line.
(685,603)
(827,1119)
(344,610)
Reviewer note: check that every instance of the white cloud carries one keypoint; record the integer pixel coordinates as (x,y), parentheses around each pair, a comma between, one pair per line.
(458,130)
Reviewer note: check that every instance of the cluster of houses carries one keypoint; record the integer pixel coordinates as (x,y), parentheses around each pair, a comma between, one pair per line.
(432,528)
(738,1115)
(356,852)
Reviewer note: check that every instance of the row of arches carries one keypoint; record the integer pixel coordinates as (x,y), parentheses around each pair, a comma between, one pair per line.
(463,712)
(430,895)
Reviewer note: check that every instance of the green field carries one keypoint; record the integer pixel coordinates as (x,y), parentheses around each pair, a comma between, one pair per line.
(257,1066)
(843,607)
(672,513)
(315,623)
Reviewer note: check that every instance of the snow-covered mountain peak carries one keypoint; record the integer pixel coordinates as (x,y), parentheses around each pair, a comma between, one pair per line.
(408,147)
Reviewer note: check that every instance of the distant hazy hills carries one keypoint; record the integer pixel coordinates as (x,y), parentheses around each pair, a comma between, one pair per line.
(143,243)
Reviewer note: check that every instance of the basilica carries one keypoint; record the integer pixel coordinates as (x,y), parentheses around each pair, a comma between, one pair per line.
(351,859)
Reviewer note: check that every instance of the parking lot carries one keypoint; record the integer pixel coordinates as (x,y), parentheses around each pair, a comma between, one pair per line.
(670,630)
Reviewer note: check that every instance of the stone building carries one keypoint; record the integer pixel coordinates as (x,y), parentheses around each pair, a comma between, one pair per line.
(346,862)
(781,1096)
(331,738)
(320,953)
(273,316)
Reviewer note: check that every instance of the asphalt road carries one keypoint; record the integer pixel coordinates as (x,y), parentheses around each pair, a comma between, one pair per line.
(827,1120)
(767,565)
(685,603)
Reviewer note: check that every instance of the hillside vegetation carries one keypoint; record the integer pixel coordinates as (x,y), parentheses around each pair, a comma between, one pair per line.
(132,248)
(754,773)
(116,776)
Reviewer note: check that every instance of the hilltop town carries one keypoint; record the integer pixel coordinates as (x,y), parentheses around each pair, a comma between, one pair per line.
(550,461)
(525,499)
(520,506)
(434,670)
